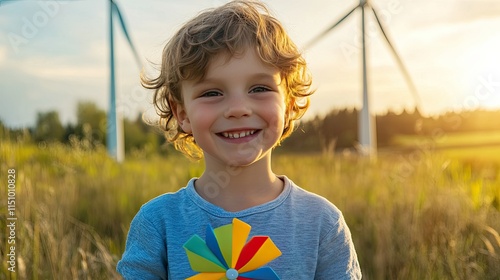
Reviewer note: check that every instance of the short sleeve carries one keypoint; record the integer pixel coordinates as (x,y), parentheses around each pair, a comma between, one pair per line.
(337,257)
(145,254)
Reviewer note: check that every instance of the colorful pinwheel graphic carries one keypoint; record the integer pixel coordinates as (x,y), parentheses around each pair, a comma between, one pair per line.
(225,256)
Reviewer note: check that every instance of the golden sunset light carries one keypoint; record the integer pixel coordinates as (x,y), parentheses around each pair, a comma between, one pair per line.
(392,172)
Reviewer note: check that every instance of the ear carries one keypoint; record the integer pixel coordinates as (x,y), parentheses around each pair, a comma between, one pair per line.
(180,115)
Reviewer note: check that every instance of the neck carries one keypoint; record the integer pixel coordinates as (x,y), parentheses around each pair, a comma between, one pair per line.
(238,188)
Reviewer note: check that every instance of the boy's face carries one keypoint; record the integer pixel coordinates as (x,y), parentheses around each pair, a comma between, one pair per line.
(236,112)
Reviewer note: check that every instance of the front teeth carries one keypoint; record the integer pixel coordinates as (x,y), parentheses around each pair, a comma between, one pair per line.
(237,135)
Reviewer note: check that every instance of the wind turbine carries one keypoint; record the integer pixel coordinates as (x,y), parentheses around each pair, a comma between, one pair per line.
(115,142)
(367,126)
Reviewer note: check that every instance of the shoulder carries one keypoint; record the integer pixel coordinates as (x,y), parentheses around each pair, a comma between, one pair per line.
(159,201)
(314,211)
(325,218)
(163,204)
(309,201)
(158,212)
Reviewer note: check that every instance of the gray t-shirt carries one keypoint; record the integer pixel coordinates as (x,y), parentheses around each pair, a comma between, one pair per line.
(310,232)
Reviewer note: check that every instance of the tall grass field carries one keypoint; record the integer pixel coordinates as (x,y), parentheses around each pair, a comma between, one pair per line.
(417,215)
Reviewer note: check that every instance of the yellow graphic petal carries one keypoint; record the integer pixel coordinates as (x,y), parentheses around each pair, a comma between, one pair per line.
(208,276)
(241,230)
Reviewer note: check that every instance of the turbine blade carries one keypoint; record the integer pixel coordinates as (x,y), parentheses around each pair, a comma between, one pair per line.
(401,65)
(116,10)
(318,37)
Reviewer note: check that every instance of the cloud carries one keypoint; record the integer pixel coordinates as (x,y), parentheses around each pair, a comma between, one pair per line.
(65,72)
(3,54)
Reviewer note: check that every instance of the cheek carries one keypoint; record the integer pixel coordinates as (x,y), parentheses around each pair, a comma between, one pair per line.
(276,117)
(201,118)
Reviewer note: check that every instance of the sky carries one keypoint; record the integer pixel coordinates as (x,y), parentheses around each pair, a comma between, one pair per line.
(54,54)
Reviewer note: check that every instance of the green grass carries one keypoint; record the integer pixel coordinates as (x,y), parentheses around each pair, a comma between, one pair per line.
(477,155)
(440,139)
(412,216)
(475,148)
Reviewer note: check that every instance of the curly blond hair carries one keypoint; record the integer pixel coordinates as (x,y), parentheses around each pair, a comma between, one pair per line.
(231,28)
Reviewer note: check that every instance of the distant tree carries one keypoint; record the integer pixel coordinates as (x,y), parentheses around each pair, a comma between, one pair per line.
(4,132)
(343,126)
(48,127)
(69,129)
(134,137)
(304,139)
(141,137)
(89,115)
(392,124)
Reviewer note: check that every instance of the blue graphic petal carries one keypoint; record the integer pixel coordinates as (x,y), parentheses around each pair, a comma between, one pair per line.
(212,243)
(263,273)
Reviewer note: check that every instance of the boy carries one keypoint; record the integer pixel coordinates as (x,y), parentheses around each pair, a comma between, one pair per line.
(232,83)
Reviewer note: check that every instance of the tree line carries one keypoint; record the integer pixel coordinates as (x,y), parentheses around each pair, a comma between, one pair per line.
(89,131)
(335,130)
(339,128)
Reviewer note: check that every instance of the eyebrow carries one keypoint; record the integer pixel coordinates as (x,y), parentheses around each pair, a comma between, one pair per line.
(251,77)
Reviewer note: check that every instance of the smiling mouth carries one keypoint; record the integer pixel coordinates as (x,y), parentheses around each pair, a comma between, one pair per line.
(239,134)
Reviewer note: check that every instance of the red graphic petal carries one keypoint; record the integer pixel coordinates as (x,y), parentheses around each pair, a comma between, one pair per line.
(250,250)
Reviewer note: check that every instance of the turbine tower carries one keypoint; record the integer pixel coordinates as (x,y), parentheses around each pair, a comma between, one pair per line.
(115,142)
(367,126)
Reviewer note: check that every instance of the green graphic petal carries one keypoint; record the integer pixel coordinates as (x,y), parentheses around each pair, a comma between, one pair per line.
(200,257)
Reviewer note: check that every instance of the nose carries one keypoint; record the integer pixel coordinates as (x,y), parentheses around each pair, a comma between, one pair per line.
(237,106)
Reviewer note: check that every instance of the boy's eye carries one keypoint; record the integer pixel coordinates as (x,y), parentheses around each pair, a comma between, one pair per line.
(210,94)
(260,89)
